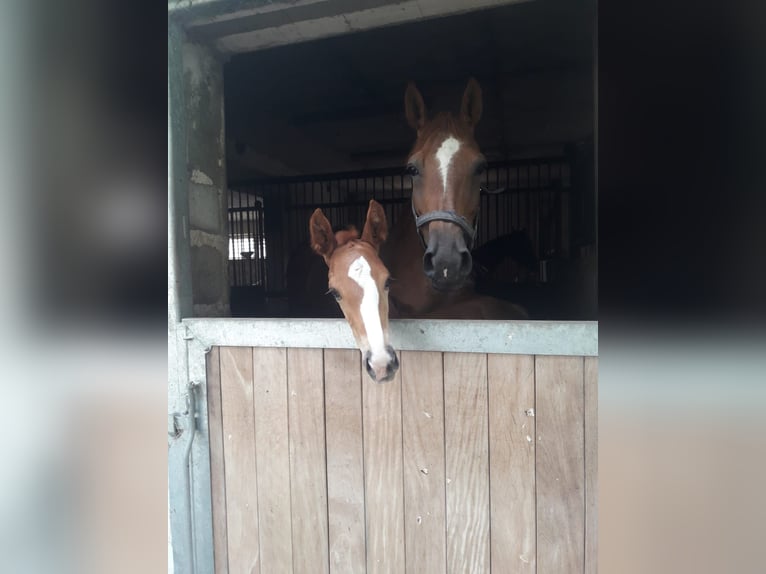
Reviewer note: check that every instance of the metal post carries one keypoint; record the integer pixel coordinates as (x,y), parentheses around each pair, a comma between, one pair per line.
(189,503)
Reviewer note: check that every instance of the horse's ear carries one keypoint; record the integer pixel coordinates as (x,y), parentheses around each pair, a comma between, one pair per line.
(376,227)
(470,110)
(414,107)
(323,239)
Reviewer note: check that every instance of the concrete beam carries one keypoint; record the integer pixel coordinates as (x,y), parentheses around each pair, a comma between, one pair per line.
(240,26)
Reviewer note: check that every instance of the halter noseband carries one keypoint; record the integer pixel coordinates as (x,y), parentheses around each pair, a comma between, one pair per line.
(451,216)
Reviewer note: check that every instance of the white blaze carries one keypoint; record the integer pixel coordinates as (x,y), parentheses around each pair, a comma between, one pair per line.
(444,156)
(359,271)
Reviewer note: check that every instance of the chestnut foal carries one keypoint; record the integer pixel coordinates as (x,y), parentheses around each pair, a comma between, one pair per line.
(359,281)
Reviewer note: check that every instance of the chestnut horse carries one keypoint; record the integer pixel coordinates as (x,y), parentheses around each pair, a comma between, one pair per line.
(359,282)
(429,251)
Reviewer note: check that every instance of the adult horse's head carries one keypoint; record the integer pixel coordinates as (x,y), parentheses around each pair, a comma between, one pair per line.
(359,282)
(446,167)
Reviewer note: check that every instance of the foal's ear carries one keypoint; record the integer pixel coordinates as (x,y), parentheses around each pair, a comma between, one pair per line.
(470,110)
(375,228)
(323,239)
(414,107)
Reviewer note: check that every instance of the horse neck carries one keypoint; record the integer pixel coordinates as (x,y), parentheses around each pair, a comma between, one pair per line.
(403,248)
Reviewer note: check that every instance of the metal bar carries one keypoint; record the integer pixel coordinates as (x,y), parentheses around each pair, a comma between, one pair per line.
(199,462)
(238,242)
(230,247)
(498,231)
(261,246)
(250,241)
(573,338)
(255,241)
(233,238)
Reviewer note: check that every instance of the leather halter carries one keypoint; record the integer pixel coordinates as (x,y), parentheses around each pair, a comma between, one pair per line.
(451,216)
(470,230)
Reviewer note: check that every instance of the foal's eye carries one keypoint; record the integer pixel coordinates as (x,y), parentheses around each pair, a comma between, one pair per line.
(481,168)
(411,169)
(388,284)
(335,294)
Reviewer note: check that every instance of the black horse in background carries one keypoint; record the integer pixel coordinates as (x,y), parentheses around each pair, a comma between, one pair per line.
(507,268)
(514,249)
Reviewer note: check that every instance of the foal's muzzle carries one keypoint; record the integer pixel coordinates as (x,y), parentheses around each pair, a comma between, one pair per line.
(382,373)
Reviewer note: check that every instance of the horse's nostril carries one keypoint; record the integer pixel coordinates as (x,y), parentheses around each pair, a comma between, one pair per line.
(395,361)
(367,365)
(466,263)
(428,263)
(393,365)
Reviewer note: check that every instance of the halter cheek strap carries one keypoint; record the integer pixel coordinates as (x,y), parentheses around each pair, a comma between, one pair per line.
(450,216)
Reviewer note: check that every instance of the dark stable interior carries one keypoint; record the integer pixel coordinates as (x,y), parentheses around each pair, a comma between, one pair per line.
(321,124)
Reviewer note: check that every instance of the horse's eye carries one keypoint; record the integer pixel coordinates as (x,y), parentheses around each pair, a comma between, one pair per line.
(335,294)
(481,168)
(411,169)
(388,284)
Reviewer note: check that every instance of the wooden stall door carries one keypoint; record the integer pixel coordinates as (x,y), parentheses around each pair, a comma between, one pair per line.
(464,463)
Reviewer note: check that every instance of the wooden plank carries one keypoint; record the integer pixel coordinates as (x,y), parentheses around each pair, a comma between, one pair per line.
(560,464)
(239,453)
(308,481)
(424,494)
(384,492)
(345,460)
(272,458)
(591,464)
(217,479)
(467,446)
(511,380)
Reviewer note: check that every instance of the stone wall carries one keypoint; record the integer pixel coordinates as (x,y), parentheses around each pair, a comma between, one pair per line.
(206,169)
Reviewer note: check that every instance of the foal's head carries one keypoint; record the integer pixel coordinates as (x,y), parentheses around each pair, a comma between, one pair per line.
(446,167)
(359,282)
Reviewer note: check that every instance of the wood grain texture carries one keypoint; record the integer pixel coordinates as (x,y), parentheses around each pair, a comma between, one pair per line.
(384,496)
(308,480)
(591,464)
(560,464)
(236,365)
(424,466)
(467,462)
(272,458)
(345,461)
(315,468)
(511,380)
(217,478)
